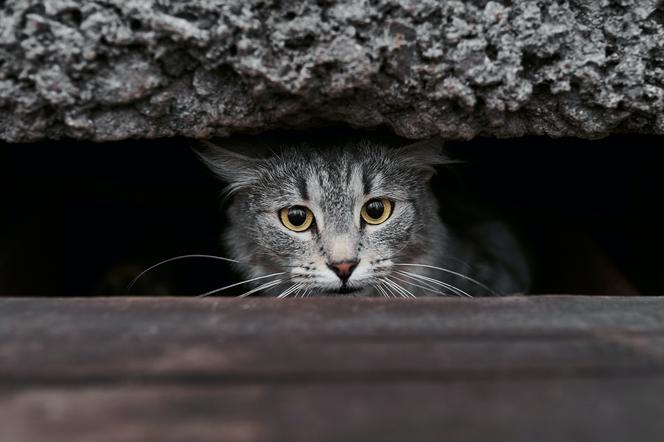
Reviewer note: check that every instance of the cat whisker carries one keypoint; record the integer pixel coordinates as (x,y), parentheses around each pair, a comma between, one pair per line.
(289,290)
(457,291)
(460,275)
(381,290)
(177,258)
(301,291)
(265,286)
(212,292)
(299,287)
(390,289)
(401,290)
(421,284)
(384,290)
(307,291)
(408,292)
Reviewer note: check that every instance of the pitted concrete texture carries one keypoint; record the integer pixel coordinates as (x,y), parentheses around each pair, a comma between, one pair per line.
(114,69)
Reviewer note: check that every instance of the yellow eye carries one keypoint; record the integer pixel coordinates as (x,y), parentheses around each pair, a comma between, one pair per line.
(296,218)
(376,211)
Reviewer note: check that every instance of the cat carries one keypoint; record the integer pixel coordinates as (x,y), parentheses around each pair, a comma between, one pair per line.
(357,219)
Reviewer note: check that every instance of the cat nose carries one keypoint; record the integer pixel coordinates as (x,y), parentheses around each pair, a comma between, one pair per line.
(343,269)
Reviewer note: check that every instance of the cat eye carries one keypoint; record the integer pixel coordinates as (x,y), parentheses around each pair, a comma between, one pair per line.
(376,211)
(296,218)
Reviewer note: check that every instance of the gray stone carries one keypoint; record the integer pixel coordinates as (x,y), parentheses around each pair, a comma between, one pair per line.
(114,69)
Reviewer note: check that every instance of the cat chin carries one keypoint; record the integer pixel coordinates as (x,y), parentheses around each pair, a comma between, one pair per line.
(345,290)
(348,291)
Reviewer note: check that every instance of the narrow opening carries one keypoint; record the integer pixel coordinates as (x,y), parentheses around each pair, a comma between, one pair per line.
(84,219)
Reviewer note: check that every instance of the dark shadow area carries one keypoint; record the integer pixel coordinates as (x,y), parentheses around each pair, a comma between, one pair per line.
(83,219)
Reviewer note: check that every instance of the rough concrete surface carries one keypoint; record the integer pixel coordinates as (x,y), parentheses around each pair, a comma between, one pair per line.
(114,69)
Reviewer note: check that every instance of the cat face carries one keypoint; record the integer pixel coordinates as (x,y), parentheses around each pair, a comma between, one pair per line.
(333,220)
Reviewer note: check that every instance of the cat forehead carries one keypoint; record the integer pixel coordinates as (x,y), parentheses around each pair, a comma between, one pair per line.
(336,171)
(323,180)
(337,175)
(335,189)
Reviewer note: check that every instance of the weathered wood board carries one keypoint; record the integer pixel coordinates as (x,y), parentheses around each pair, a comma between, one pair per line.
(548,368)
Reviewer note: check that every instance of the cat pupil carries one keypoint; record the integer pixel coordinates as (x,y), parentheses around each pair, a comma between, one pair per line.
(375,209)
(297,215)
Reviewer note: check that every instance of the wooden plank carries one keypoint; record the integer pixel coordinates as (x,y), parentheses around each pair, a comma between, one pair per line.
(178,339)
(174,369)
(336,317)
(588,410)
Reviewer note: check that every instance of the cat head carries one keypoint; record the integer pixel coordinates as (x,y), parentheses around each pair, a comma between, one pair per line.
(333,220)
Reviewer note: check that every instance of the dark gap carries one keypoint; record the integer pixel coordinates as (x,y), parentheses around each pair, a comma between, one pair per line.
(491,51)
(481,4)
(72,17)
(81,218)
(300,42)
(658,14)
(533,62)
(135,24)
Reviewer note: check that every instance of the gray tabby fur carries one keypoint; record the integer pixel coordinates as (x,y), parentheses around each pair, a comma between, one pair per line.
(334,183)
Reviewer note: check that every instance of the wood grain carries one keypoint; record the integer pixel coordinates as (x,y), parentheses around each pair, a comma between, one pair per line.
(500,410)
(545,368)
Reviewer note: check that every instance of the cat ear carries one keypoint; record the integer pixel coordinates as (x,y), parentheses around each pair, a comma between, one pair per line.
(231,167)
(424,155)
